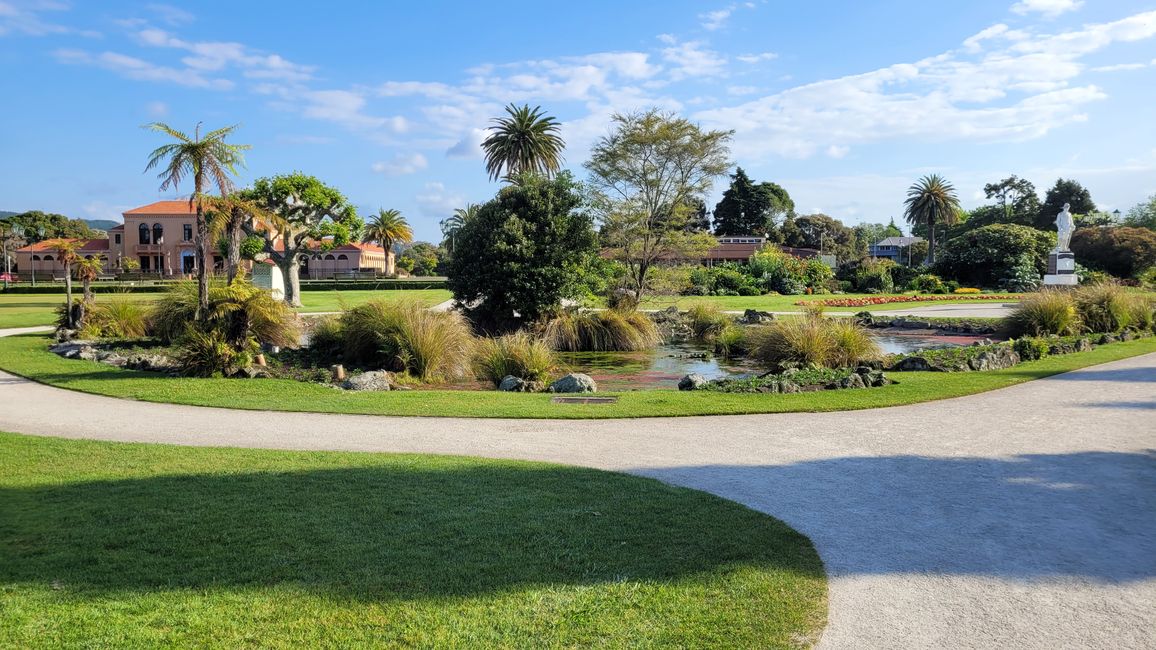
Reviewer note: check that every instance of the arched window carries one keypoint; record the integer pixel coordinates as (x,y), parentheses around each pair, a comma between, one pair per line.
(158,234)
(144,234)
(328,258)
(35,258)
(47,258)
(342,257)
(87,257)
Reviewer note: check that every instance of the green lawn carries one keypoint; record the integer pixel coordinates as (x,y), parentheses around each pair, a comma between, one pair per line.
(130,545)
(787,303)
(27,310)
(28,356)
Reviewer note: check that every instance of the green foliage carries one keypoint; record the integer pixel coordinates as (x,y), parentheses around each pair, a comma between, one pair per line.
(707,320)
(608,330)
(37,226)
(800,377)
(1044,313)
(749,208)
(205,352)
(986,255)
(519,354)
(387,228)
(1022,276)
(1064,191)
(116,318)
(731,341)
(873,276)
(786,274)
(824,342)
(242,311)
(828,235)
(404,336)
(669,280)
(927,283)
(423,259)
(931,201)
(525,142)
(1123,251)
(517,254)
(1031,349)
(1108,308)
(1143,214)
(326,338)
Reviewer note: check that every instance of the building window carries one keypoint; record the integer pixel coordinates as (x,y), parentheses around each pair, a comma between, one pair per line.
(144,236)
(328,258)
(47,258)
(158,234)
(187,232)
(35,258)
(342,257)
(145,260)
(116,238)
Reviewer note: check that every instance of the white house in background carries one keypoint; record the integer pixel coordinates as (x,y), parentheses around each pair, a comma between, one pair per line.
(892,248)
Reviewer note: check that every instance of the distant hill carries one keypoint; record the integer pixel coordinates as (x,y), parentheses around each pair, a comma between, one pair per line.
(101,224)
(4,214)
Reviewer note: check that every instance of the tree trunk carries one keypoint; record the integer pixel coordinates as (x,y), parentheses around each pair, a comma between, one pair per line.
(233,264)
(68,319)
(291,269)
(87,286)
(931,244)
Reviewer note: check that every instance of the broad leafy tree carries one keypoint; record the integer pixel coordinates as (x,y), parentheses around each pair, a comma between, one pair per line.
(225,218)
(387,228)
(1124,252)
(931,202)
(515,259)
(208,161)
(1064,191)
(984,256)
(829,236)
(423,259)
(749,208)
(1016,200)
(526,141)
(1142,215)
(644,176)
(38,226)
(310,215)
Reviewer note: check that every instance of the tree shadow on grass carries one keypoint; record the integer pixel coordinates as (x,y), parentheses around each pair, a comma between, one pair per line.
(1089,515)
(398,530)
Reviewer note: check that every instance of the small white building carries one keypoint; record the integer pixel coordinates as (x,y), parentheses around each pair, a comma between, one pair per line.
(267,275)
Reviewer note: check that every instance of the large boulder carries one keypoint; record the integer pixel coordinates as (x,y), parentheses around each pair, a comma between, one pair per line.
(150,362)
(872,376)
(852,380)
(693,381)
(912,364)
(376,380)
(512,384)
(996,358)
(76,349)
(574,382)
(756,317)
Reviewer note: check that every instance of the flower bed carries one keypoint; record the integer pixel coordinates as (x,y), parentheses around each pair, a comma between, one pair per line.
(886,300)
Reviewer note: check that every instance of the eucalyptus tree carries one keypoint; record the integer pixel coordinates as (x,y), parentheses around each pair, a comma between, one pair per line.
(525,141)
(931,201)
(209,161)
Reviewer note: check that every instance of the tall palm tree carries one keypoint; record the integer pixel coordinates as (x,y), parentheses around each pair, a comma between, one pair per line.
(87,270)
(388,228)
(226,217)
(526,141)
(450,226)
(210,161)
(66,253)
(931,202)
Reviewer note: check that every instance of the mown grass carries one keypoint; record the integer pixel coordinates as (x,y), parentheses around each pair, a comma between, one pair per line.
(131,545)
(30,309)
(787,303)
(27,356)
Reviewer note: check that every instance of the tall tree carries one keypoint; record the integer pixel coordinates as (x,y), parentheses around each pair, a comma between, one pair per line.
(749,208)
(1016,198)
(210,161)
(643,175)
(829,235)
(226,217)
(1064,191)
(310,215)
(452,224)
(931,202)
(39,226)
(66,253)
(526,141)
(87,270)
(1143,214)
(519,253)
(892,230)
(388,228)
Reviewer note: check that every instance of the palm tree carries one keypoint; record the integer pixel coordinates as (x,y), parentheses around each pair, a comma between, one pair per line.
(226,219)
(87,270)
(66,254)
(452,225)
(931,202)
(526,141)
(210,161)
(387,229)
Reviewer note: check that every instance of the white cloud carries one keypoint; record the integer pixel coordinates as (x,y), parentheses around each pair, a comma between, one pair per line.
(1120,66)
(756,58)
(157,109)
(436,202)
(171,15)
(26,18)
(835,151)
(1049,8)
(401,165)
(742,90)
(345,107)
(469,147)
(692,59)
(713,20)
(141,70)
(216,56)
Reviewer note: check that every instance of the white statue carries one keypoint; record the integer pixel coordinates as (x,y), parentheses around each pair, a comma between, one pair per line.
(1064,227)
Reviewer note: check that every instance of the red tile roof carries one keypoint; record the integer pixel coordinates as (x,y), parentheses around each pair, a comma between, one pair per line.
(165,207)
(50,245)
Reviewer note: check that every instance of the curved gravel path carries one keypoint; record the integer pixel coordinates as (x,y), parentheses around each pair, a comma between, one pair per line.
(1024,517)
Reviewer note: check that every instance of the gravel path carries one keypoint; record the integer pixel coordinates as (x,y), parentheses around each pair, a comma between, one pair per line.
(1023,518)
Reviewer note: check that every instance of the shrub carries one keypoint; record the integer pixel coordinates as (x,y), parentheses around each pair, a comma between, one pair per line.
(608,330)
(749,290)
(407,337)
(120,319)
(986,255)
(874,276)
(518,354)
(1148,278)
(1123,251)
(707,320)
(326,338)
(1022,276)
(966,291)
(927,283)
(1031,349)
(830,343)
(1140,314)
(240,309)
(731,341)
(1104,307)
(207,352)
(1044,313)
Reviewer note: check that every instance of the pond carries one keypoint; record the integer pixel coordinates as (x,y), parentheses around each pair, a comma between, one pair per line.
(663,366)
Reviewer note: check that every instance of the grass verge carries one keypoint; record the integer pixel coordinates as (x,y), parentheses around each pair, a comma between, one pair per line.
(787,303)
(27,356)
(132,545)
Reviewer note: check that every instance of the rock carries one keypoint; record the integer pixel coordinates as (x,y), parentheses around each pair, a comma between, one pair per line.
(671,310)
(693,381)
(852,380)
(1108,338)
(73,349)
(1127,335)
(1083,345)
(112,359)
(512,384)
(789,387)
(912,364)
(756,317)
(574,382)
(870,364)
(377,380)
(994,359)
(252,372)
(150,362)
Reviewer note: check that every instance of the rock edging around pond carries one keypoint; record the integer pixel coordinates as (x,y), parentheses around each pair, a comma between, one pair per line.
(791,381)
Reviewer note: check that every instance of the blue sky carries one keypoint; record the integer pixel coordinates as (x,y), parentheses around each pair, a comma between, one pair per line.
(843,103)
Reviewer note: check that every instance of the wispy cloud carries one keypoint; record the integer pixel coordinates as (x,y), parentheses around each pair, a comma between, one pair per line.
(1049,8)
(26,17)
(713,20)
(401,165)
(141,70)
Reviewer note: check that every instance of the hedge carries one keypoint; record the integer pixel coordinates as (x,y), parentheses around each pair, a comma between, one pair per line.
(306,285)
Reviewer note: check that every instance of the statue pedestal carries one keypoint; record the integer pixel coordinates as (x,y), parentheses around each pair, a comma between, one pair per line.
(1061,269)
